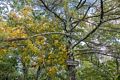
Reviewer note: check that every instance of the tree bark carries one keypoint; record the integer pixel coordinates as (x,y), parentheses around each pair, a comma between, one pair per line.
(71,72)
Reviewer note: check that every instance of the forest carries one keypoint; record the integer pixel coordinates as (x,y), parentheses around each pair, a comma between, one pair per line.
(59,39)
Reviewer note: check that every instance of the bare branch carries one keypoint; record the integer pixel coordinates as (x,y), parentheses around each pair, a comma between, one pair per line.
(79,4)
(88,51)
(82,3)
(112,19)
(106,13)
(56,15)
(83,16)
(99,24)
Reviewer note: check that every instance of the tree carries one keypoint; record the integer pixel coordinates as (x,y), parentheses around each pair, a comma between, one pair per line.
(48,36)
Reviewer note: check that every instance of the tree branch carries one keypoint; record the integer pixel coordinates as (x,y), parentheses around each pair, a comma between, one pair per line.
(83,16)
(99,24)
(79,4)
(88,51)
(82,3)
(41,34)
(56,15)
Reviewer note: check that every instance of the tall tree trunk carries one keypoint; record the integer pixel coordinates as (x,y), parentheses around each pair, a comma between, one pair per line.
(70,66)
(71,72)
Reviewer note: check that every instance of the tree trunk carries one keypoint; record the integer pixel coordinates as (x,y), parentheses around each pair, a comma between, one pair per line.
(71,72)
(71,66)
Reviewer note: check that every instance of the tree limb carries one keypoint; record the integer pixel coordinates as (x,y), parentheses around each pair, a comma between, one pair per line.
(99,24)
(41,34)
(56,15)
